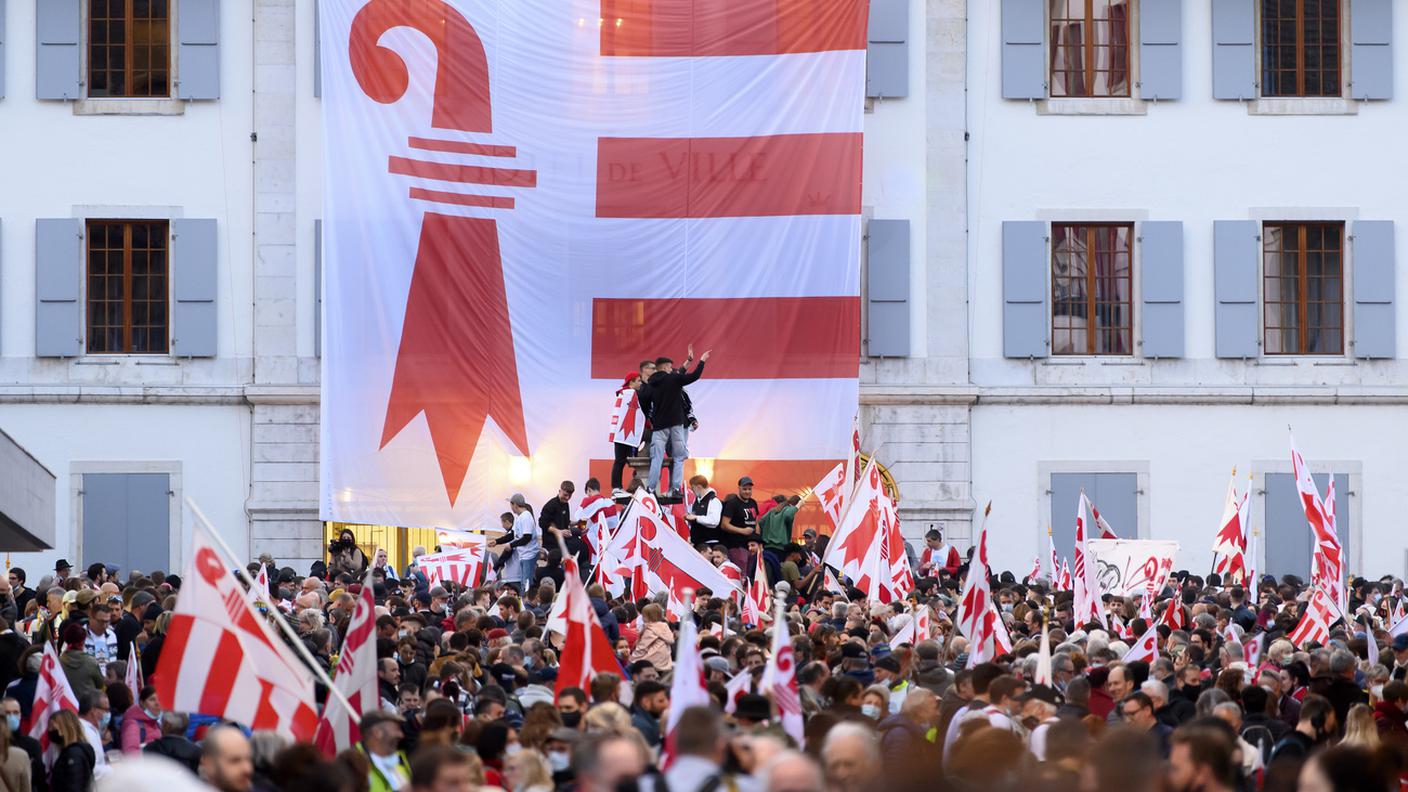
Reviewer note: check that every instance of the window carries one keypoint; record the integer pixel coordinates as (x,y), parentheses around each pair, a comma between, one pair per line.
(1303,271)
(129,48)
(1089,48)
(1091,310)
(1300,47)
(127,286)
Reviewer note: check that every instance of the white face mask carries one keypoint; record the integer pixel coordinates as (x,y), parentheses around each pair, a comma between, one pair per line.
(512,748)
(870,711)
(559,760)
(1377,691)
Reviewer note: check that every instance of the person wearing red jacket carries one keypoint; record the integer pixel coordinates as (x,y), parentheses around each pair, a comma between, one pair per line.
(937,556)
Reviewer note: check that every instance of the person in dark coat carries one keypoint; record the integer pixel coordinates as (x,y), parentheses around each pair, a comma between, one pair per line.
(1339,687)
(903,735)
(73,767)
(12,645)
(173,744)
(1389,714)
(669,419)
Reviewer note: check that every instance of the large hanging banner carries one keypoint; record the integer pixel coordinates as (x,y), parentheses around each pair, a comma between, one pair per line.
(1131,567)
(523,200)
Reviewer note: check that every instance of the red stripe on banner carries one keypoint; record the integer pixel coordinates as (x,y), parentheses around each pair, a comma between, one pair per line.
(765,176)
(471,174)
(461,199)
(462,147)
(685,28)
(772,477)
(753,338)
(220,679)
(168,666)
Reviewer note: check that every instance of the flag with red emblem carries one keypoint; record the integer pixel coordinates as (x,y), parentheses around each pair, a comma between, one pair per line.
(1146,648)
(687,687)
(1173,614)
(51,694)
(755,603)
(221,658)
(654,557)
(780,678)
(356,677)
(627,422)
(868,547)
(1230,544)
(1033,575)
(1087,587)
(1315,622)
(1327,565)
(586,651)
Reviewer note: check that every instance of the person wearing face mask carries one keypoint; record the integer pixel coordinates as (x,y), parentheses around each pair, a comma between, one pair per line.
(887,673)
(571,706)
(20,738)
(558,749)
(75,763)
(94,715)
(412,670)
(141,723)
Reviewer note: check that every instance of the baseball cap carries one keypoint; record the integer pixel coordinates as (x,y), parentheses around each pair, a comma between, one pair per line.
(746,481)
(888,663)
(85,596)
(518,500)
(717,663)
(1044,693)
(853,651)
(1400,642)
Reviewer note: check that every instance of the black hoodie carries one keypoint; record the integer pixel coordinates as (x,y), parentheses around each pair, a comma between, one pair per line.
(667,402)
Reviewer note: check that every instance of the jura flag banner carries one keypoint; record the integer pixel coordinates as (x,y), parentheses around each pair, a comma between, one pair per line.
(1131,567)
(523,200)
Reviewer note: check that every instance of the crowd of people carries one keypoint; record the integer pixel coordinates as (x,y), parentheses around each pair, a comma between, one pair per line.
(469,695)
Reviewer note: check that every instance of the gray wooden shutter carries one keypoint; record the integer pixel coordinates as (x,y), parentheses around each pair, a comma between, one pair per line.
(1161,273)
(318,288)
(194,258)
(887,288)
(198,53)
(1236,259)
(317,49)
(1371,50)
(56,69)
(1116,495)
(1023,49)
(127,519)
(1375,325)
(887,50)
(2,49)
(1161,49)
(1233,43)
(1025,322)
(58,286)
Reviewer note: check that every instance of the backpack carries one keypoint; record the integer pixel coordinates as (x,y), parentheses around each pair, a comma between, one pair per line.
(1261,738)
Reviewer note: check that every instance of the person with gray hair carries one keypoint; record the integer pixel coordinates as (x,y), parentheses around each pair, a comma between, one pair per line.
(1339,685)
(1158,694)
(173,744)
(790,771)
(850,757)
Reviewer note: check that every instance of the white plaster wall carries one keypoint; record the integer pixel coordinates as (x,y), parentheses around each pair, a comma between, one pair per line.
(56,162)
(209,443)
(1190,451)
(1195,160)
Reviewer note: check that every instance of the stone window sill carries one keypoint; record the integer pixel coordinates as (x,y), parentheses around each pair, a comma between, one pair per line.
(129,107)
(1091,107)
(1298,106)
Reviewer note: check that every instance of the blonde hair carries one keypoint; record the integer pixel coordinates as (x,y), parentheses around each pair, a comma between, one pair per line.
(1360,729)
(610,718)
(66,724)
(534,769)
(653,613)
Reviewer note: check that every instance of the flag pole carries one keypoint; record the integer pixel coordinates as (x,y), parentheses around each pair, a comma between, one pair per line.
(288,632)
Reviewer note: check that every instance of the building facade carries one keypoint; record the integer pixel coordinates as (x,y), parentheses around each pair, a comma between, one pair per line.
(1111,245)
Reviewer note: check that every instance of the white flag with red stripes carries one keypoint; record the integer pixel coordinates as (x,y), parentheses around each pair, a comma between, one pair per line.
(600,513)
(868,547)
(356,678)
(1146,648)
(1327,564)
(780,678)
(134,671)
(755,603)
(586,651)
(463,566)
(832,491)
(52,693)
(1035,574)
(259,592)
(1315,623)
(1087,586)
(1065,584)
(1173,614)
(680,171)
(687,687)
(222,658)
(656,558)
(1230,544)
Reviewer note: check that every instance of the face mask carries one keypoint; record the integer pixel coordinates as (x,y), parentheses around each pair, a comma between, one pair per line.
(571,719)
(559,761)
(403,633)
(13,721)
(870,711)
(1375,597)
(527,662)
(1007,608)
(1377,691)
(104,721)
(152,715)
(512,748)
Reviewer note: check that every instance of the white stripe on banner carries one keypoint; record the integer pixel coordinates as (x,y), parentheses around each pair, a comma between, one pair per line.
(200,654)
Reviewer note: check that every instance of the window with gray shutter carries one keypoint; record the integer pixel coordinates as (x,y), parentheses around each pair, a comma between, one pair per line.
(1289,546)
(887,51)
(1375,325)
(1233,39)
(887,288)
(1371,51)
(1116,495)
(318,288)
(56,62)
(58,282)
(195,258)
(317,49)
(1236,257)
(1025,320)
(198,49)
(127,519)
(1161,49)
(1023,48)
(1161,274)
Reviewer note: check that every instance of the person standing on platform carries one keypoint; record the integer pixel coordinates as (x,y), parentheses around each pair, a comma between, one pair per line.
(669,419)
(627,427)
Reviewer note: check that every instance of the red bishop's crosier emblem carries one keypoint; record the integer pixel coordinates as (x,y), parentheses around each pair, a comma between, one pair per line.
(456,362)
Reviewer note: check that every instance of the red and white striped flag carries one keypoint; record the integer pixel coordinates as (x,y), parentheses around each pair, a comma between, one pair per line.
(1087,586)
(600,514)
(735,576)
(1253,649)
(1146,607)
(780,678)
(657,558)
(687,687)
(627,422)
(832,492)
(1173,614)
(868,547)
(356,678)
(1230,544)
(1033,575)
(586,651)
(736,686)
(221,658)
(1066,584)
(134,672)
(755,603)
(1146,648)
(51,694)
(259,592)
(1315,624)
(1106,532)
(1327,565)
(1055,575)
(463,565)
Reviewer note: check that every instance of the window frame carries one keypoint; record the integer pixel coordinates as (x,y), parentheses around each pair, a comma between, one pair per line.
(1088,47)
(1089,227)
(86,63)
(1341,42)
(127,277)
(1303,301)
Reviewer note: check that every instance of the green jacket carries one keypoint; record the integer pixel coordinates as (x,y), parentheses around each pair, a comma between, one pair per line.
(776,526)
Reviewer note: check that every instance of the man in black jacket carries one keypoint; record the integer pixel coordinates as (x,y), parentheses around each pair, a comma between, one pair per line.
(173,743)
(669,419)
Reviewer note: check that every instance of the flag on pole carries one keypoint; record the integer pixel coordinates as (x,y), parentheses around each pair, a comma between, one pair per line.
(51,694)
(780,678)
(134,672)
(1315,624)
(975,599)
(1173,614)
(1253,649)
(1146,648)
(586,651)
(1055,575)
(687,687)
(221,658)
(1249,538)
(653,556)
(1044,675)
(356,677)
(1327,570)
(1230,544)
(755,604)
(832,491)
(868,547)
(737,686)
(1106,532)
(259,592)
(1066,582)
(1087,587)
(1035,574)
